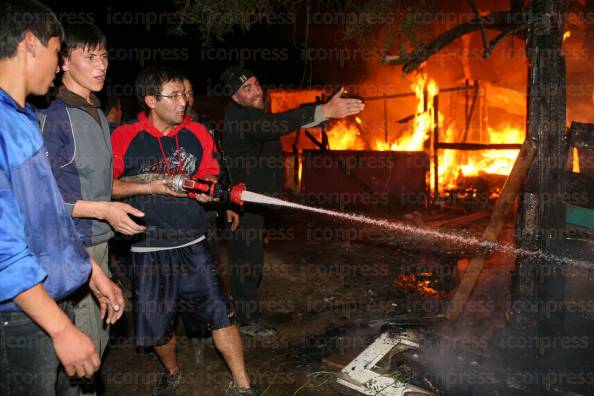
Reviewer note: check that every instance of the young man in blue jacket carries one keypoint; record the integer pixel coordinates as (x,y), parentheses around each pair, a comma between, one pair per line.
(77,139)
(42,260)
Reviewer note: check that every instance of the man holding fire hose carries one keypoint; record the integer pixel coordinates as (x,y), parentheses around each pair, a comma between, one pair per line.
(172,270)
(251,142)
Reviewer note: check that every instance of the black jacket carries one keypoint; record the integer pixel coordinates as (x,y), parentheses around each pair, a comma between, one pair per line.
(252,147)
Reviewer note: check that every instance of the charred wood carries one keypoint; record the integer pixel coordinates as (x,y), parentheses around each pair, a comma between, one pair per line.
(579,189)
(542,213)
(478,146)
(582,135)
(487,50)
(503,206)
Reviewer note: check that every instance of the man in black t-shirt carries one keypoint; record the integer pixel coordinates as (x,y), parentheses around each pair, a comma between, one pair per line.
(253,151)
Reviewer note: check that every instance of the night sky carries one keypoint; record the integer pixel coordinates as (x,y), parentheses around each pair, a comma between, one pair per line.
(274,50)
(137,38)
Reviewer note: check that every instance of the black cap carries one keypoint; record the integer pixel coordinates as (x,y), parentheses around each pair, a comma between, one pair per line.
(234,77)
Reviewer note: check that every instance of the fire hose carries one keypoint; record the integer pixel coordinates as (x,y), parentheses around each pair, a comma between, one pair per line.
(193,186)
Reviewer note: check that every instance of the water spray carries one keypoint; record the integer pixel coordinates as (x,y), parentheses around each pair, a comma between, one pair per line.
(238,194)
(458,238)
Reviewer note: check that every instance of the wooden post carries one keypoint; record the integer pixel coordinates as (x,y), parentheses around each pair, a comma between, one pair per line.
(325,142)
(325,145)
(385,120)
(435,145)
(483,116)
(542,213)
(425,93)
(503,206)
(466,104)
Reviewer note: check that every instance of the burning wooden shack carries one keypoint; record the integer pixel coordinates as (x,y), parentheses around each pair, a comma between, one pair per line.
(425,145)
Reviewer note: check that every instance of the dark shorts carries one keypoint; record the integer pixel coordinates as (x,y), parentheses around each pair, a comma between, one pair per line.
(180,281)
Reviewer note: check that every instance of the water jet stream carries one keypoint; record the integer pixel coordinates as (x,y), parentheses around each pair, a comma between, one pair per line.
(460,238)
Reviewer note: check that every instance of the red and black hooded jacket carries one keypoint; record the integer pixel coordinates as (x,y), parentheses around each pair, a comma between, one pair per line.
(187,149)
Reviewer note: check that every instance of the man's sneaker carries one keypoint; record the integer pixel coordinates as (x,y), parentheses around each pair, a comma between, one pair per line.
(257,330)
(166,384)
(253,390)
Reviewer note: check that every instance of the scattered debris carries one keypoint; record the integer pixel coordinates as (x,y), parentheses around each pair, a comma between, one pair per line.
(361,374)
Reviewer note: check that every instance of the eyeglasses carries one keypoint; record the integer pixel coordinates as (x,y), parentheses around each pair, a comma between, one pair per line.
(176,97)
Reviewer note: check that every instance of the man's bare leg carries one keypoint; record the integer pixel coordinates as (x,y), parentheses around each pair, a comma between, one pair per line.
(167,356)
(228,342)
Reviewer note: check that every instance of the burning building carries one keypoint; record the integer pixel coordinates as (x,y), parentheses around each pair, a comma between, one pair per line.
(447,145)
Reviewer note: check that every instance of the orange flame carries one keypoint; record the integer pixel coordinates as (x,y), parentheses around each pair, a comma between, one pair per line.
(410,283)
(353,133)
(576,161)
(345,136)
(566,35)
(451,168)
(495,162)
(423,121)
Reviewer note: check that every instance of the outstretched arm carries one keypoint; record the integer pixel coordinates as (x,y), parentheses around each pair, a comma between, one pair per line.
(256,124)
(339,107)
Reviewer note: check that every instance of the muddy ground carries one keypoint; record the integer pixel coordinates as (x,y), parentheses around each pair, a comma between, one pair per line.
(330,287)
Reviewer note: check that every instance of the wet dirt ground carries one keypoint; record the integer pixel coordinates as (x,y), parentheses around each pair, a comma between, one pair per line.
(320,275)
(329,287)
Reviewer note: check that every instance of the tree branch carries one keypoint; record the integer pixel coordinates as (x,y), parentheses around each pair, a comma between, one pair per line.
(502,35)
(486,52)
(502,21)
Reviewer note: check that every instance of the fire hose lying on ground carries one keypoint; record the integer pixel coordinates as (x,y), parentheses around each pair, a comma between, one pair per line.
(222,193)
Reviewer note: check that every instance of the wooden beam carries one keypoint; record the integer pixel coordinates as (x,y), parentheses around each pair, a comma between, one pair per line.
(410,94)
(478,146)
(582,135)
(579,189)
(502,207)
(461,220)
(314,140)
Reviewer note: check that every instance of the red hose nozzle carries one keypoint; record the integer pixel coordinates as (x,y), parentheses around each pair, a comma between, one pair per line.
(235,194)
(215,190)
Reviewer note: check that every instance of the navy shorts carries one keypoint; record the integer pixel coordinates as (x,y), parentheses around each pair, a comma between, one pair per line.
(180,281)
